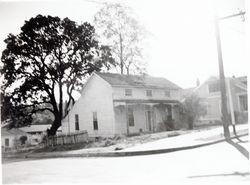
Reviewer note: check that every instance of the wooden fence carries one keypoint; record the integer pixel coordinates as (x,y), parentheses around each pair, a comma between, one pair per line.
(62,139)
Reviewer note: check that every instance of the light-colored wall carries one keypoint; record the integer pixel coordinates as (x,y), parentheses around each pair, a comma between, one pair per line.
(11,141)
(213,108)
(14,140)
(120,120)
(139,119)
(213,100)
(140,93)
(203,91)
(96,97)
(236,92)
(139,111)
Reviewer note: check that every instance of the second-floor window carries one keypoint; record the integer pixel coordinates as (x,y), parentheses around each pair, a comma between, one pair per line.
(214,87)
(149,93)
(128,92)
(167,93)
(243,102)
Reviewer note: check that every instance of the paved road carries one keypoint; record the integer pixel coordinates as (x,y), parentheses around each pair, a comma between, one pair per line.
(217,164)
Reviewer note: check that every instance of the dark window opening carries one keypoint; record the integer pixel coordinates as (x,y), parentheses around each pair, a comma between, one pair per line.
(7,142)
(128,92)
(76,122)
(167,93)
(95,121)
(243,102)
(131,121)
(149,93)
(214,87)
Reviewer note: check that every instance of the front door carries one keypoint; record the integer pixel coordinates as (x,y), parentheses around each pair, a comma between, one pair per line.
(149,120)
(169,112)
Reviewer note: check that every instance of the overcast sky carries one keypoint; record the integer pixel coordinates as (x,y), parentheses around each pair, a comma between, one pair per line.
(181,45)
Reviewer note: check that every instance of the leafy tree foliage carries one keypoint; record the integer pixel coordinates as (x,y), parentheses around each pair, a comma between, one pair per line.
(123,34)
(44,118)
(46,63)
(6,106)
(191,109)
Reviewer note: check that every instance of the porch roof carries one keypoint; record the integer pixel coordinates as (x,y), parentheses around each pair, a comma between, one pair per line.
(144,101)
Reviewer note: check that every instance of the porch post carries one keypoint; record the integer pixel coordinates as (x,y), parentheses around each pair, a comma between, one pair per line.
(172,111)
(127,121)
(152,118)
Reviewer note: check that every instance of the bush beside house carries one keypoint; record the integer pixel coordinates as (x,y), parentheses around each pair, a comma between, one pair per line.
(190,110)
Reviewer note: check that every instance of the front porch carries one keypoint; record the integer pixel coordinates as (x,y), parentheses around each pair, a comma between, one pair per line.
(147,116)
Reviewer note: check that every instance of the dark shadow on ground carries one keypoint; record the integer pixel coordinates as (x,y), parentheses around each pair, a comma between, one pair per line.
(243,174)
(239,140)
(240,148)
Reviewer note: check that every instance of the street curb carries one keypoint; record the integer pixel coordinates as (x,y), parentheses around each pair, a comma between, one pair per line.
(129,153)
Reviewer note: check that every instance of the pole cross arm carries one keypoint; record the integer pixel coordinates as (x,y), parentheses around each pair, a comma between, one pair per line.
(241,13)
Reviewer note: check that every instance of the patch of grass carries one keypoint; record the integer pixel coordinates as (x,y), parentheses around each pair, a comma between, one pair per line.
(172,134)
(67,147)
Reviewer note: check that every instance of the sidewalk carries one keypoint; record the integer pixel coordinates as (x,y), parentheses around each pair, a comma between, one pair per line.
(182,142)
(193,139)
(166,145)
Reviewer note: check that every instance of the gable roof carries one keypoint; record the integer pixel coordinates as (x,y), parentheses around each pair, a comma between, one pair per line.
(137,81)
(234,80)
(187,91)
(242,79)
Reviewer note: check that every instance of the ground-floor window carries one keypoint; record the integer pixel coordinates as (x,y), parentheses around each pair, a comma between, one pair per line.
(76,122)
(131,121)
(7,142)
(95,121)
(243,102)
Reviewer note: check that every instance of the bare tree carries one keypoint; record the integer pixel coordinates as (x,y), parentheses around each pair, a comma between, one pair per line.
(123,34)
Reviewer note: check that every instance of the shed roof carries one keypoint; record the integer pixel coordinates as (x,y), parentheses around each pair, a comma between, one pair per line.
(13,131)
(137,81)
(35,128)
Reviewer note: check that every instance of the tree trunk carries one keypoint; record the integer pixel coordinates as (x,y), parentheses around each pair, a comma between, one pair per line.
(60,100)
(56,124)
(127,70)
(59,114)
(121,54)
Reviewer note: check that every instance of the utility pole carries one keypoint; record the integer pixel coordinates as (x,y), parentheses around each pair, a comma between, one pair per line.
(224,111)
(231,106)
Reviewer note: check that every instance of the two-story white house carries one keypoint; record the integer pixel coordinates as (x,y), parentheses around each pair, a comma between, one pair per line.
(237,103)
(114,104)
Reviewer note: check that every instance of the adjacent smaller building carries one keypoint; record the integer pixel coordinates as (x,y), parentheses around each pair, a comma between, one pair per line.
(37,132)
(12,138)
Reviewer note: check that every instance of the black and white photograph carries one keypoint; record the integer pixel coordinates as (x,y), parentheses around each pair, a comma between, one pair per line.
(124,92)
